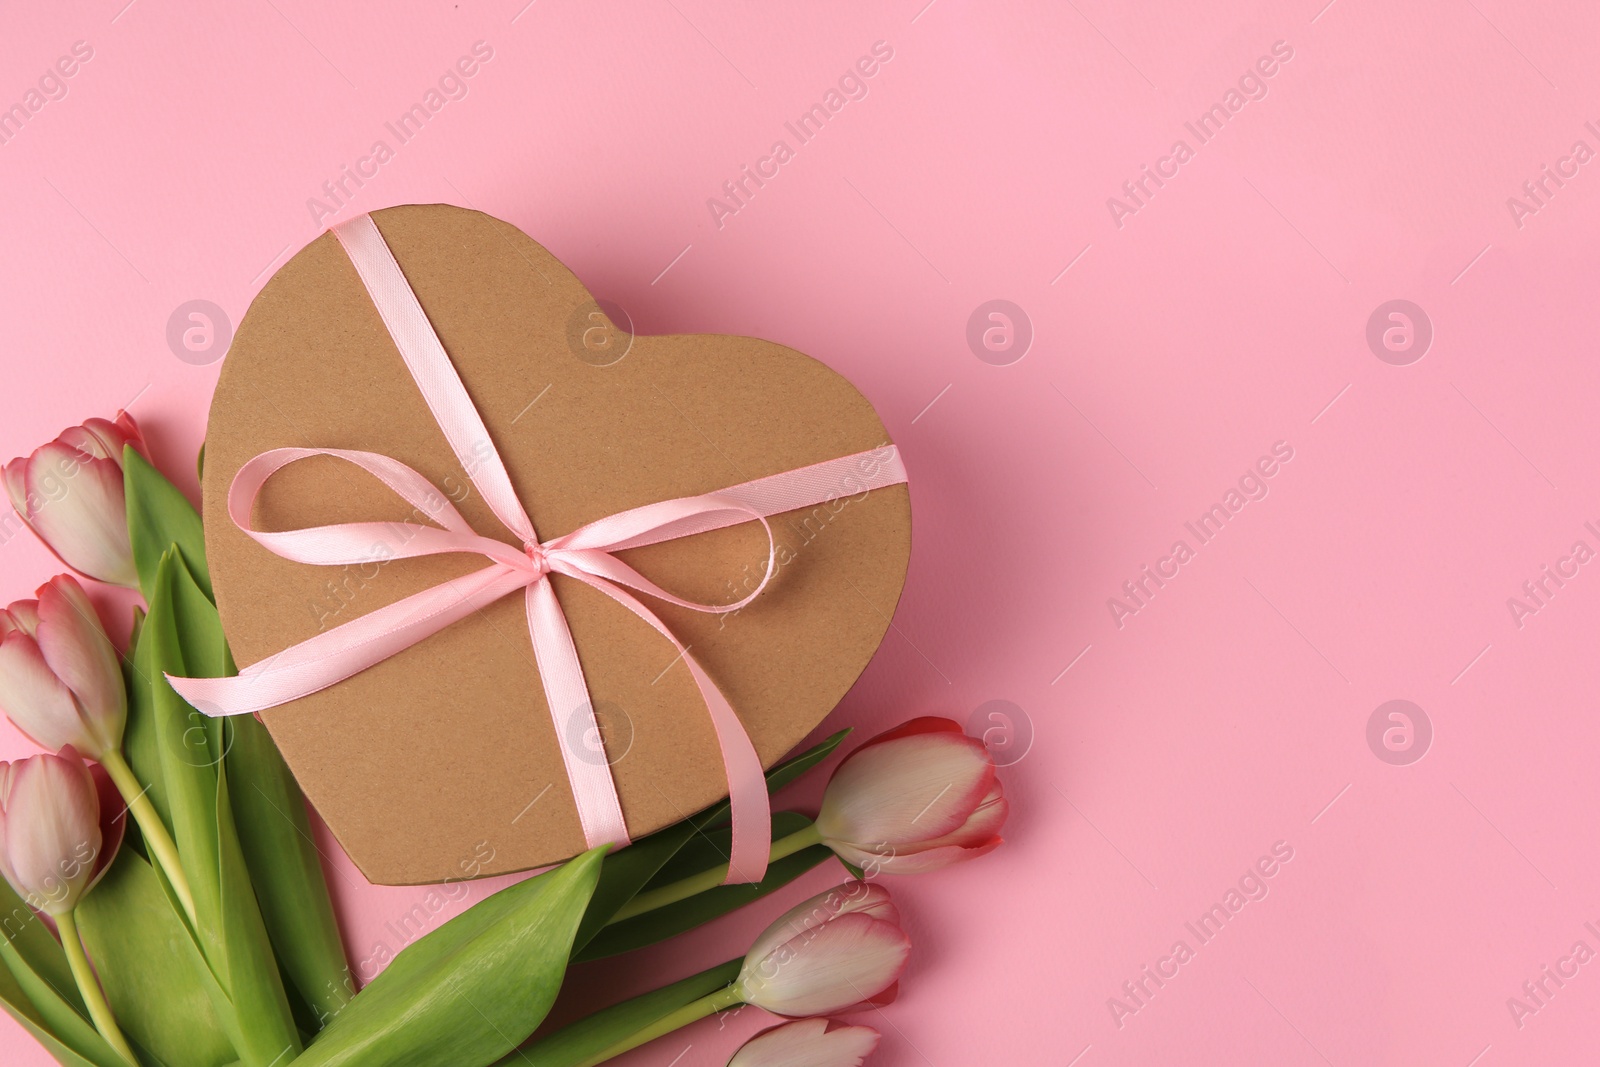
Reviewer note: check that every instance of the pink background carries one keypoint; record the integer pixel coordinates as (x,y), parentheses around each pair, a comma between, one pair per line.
(1226,314)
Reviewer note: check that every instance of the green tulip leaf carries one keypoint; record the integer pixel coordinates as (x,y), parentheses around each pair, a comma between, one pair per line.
(205,649)
(624,873)
(49,1009)
(159,517)
(467,992)
(710,849)
(581,1041)
(37,946)
(185,748)
(260,1003)
(270,817)
(794,767)
(47,997)
(704,853)
(140,742)
(19,1007)
(199,966)
(153,978)
(186,640)
(275,833)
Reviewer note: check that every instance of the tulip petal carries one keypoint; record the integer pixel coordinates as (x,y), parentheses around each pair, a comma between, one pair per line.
(807,1043)
(87,441)
(81,655)
(21,617)
(847,899)
(981,826)
(842,962)
(7,773)
(920,862)
(922,786)
(978,836)
(113,823)
(105,439)
(130,434)
(33,697)
(923,724)
(15,475)
(79,512)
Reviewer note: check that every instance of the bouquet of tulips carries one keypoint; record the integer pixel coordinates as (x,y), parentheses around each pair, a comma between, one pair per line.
(200,933)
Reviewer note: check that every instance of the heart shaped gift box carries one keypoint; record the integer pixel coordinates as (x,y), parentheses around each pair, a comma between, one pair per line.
(443,760)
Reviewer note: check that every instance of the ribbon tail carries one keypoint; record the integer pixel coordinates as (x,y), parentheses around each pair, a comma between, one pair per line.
(339,653)
(747,784)
(594,790)
(748,803)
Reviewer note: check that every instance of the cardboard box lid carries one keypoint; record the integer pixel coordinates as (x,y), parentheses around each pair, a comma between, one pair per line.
(445,754)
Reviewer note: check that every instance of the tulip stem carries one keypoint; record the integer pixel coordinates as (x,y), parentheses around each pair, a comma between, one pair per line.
(685,888)
(691,1012)
(99,1010)
(162,848)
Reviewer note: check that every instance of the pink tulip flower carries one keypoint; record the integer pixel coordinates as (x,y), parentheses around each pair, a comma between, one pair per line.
(919,797)
(60,681)
(61,684)
(808,1043)
(61,823)
(841,949)
(69,492)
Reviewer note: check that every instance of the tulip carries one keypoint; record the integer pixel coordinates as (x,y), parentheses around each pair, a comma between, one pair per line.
(60,681)
(841,949)
(60,826)
(919,797)
(922,796)
(808,1043)
(838,950)
(61,684)
(69,492)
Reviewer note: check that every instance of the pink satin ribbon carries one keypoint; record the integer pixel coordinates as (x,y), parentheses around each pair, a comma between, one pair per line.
(585,554)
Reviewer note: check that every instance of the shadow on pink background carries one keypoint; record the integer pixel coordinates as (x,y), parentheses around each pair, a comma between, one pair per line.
(1165,739)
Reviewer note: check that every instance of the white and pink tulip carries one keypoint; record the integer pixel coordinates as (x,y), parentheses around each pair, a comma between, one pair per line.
(839,950)
(70,493)
(808,1043)
(61,823)
(919,797)
(60,678)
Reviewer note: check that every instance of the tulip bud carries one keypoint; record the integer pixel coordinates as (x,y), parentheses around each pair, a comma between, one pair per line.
(60,827)
(807,1043)
(69,492)
(919,797)
(60,681)
(838,950)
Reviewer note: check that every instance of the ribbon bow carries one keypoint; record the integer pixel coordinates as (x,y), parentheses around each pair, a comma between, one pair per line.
(585,554)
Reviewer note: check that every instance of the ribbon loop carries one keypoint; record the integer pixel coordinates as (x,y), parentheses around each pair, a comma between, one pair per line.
(586,554)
